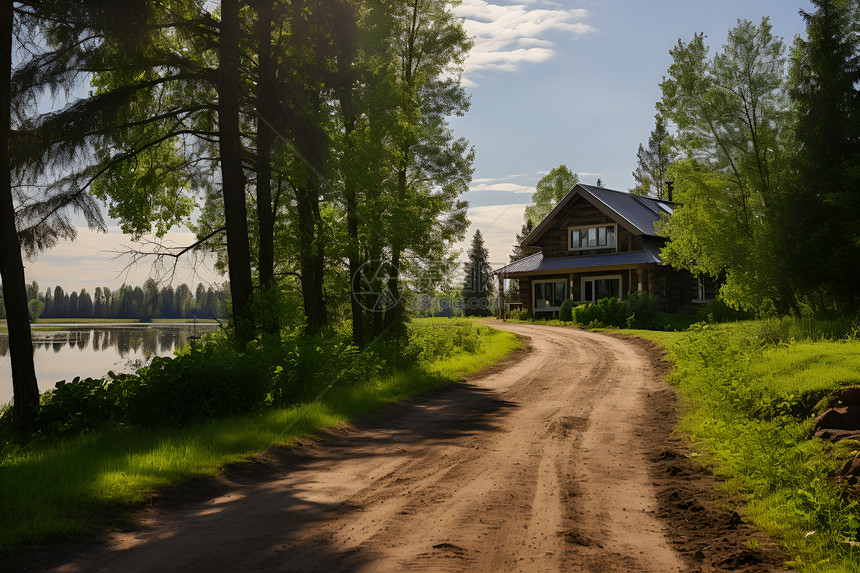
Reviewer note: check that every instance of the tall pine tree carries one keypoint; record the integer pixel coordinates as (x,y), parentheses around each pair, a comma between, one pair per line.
(478,284)
(653,162)
(823,215)
(520,252)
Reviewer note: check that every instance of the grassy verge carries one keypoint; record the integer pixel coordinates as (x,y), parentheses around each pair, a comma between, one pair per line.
(747,400)
(57,488)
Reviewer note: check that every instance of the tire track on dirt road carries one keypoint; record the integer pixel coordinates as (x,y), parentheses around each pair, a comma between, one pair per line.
(536,466)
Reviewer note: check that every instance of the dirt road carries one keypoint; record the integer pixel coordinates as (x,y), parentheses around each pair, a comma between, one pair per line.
(538,466)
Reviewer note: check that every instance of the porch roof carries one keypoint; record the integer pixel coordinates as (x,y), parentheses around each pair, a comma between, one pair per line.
(538,264)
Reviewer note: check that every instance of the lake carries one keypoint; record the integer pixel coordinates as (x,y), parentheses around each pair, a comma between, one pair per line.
(94,349)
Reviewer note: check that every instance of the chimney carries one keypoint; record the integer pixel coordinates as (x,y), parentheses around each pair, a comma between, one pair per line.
(669,188)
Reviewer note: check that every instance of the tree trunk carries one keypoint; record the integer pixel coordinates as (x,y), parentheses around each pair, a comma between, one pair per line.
(265,89)
(354,251)
(233,179)
(371,301)
(354,268)
(395,313)
(24,386)
(311,256)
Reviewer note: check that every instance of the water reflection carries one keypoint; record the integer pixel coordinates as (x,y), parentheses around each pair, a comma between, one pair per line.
(83,339)
(89,350)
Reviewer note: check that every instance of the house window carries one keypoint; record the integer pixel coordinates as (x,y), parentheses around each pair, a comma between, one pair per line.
(548,295)
(583,238)
(595,288)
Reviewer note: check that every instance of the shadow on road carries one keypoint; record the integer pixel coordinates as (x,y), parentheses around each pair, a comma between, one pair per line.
(253,514)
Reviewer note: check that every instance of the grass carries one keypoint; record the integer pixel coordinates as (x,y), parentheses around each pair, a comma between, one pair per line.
(747,402)
(56,489)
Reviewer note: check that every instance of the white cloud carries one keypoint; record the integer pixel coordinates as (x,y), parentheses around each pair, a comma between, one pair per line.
(499,225)
(494,179)
(508,36)
(509,187)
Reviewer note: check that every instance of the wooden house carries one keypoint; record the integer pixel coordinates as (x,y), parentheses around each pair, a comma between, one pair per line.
(599,243)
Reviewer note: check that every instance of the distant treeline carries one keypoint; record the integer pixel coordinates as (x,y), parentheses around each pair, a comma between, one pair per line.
(147,301)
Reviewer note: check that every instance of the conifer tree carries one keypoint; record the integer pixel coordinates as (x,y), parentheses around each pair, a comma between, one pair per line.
(478,283)
(653,162)
(823,214)
(525,231)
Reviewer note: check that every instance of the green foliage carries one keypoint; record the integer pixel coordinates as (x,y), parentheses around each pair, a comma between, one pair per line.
(565,312)
(776,330)
(718,311)
(747,403)
(438,342)
(519,314)
(639,310)
(312,363)
(604,312)
(214,379)
(519,252)
(206,381)
(478,283)
(653,162)
(551,189)
(734,141)
(822,212)
(35,308)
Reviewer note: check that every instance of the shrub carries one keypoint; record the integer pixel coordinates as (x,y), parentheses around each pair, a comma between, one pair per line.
(565,313)
(215,379)
(310,364)
(784,329)
(604,312)
(643,306)
(76,406)
(719,311)
(426,344)
(210,380)
(518,314)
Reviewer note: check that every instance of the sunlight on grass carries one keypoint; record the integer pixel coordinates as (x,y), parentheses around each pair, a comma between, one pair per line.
(809,367)
(56,488)
(748,391)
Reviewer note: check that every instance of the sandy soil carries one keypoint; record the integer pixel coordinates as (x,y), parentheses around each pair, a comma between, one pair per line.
(555,461)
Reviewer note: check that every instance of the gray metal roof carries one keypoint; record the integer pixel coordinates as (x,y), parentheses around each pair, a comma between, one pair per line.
(537,263)
(640,213)
(524,265)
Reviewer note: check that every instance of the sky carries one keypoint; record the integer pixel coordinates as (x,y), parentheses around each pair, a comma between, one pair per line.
(552,82)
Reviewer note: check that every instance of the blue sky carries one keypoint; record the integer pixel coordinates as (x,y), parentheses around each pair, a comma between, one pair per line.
(586,99)
(552,82)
